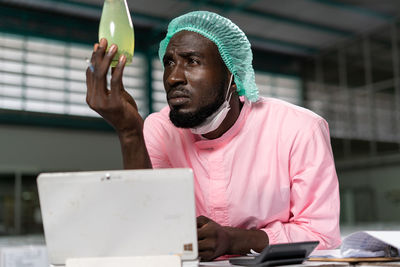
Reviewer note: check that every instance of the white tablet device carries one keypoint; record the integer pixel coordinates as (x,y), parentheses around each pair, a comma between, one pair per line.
(118,213)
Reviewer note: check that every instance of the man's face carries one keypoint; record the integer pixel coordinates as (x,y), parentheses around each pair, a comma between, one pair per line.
(195,79)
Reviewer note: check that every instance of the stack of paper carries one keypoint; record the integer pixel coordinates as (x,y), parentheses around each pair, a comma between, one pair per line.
(365,244)
(371,244)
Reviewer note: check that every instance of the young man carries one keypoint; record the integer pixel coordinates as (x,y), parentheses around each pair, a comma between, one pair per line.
(264,170)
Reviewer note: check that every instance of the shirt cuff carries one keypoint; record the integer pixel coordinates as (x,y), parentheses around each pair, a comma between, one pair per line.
(272,237)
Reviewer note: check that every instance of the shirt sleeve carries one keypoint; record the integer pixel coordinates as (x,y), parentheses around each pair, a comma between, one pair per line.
(155,136)
(314,195)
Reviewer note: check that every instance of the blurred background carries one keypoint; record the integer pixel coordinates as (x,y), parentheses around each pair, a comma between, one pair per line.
(339,58)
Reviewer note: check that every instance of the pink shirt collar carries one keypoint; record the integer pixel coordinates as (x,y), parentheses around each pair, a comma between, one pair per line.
(203,143)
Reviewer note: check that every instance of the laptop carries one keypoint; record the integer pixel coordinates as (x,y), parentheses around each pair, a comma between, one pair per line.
(118,214)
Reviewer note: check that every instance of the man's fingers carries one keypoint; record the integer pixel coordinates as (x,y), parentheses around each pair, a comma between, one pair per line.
(116,77)
(89,73)
(100,63)
(202,233)
(89,85)
(203,228)
(206,255)
(98,54)
(95,47)
(202,220)
(108,57)
(207,244)
(92,61)
(207,231)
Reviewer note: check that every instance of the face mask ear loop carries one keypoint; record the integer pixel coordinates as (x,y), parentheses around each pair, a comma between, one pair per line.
(227,92)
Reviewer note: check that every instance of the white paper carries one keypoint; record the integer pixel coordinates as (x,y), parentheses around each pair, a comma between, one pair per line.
(363,244)
(389,237)
(193,263)
(326,253)
(369,243)
(224,263)
(145,261)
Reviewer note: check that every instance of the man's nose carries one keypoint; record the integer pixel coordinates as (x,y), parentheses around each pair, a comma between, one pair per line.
(176,75)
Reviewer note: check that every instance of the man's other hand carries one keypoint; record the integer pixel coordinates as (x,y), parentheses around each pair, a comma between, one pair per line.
(115,105)
(213,239)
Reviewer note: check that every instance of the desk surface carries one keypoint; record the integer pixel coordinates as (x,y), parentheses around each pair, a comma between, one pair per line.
(31,241)
(308,263)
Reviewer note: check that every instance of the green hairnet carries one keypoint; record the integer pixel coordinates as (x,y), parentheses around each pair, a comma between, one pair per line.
(231,41)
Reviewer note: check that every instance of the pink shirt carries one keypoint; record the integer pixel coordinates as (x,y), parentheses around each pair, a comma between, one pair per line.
(272,170)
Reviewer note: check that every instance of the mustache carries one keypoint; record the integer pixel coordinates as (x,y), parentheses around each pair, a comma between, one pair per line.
(178,92)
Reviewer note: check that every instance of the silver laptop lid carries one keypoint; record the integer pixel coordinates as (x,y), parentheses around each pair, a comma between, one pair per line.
(118,213)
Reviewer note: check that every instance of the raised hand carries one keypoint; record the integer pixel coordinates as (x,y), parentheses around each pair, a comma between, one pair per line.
(115,105)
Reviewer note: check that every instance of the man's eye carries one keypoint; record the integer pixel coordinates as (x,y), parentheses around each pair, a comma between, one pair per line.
(193,61)
(168,63)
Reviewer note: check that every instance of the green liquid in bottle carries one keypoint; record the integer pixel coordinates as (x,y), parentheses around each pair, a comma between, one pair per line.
(116,26)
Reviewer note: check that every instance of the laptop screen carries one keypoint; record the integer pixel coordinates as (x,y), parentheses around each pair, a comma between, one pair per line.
(118,213)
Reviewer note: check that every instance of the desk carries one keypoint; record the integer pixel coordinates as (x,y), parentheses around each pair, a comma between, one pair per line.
(38,242)
(309,263)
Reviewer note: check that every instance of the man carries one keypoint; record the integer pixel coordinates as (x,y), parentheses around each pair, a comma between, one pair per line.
(264,170)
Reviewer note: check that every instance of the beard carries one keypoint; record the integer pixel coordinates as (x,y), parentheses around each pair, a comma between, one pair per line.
(196,118)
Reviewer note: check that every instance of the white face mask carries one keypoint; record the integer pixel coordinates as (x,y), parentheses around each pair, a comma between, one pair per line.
(215,119)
